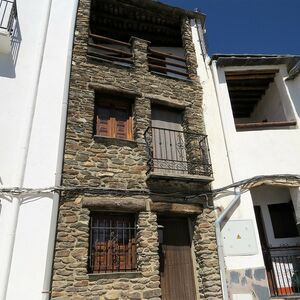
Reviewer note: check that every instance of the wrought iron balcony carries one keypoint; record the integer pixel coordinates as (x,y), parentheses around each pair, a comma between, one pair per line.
(283,270)
(8,14)
(173,152)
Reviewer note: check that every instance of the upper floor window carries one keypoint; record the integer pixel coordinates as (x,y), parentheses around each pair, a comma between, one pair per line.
(113,117)
(256,99)
(112,243)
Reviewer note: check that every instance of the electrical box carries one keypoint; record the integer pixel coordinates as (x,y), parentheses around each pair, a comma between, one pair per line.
(238,238)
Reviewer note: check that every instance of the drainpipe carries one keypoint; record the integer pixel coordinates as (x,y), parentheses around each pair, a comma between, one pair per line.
(218,223)
(237,191)
(52,235)
(16,201)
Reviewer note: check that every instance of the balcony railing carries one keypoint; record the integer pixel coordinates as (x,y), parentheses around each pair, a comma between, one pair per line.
(8,14)
(111,50)
(283,270)
(167,64)
(174,152)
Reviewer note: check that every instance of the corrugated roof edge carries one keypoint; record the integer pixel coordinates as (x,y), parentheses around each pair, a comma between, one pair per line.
(291,61)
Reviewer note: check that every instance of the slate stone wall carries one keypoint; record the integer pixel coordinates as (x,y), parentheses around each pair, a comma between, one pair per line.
(115,164)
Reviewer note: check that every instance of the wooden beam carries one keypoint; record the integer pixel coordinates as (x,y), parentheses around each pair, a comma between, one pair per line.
(262,125)
(112,41)
(247,72)
(110,49)
(178,208)
(162,62)
(108,57)
(247,88)
(164,54)
(166,70)
(269,77)
(139,25)
(122,204)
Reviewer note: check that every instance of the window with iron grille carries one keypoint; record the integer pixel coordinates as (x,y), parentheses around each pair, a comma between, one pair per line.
(112,243)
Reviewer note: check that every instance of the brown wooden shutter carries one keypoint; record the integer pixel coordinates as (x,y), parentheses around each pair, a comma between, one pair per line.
(104,121)
(122,129)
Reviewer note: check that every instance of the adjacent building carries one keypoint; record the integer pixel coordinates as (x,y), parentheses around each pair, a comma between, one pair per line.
(252,121)
(35,58)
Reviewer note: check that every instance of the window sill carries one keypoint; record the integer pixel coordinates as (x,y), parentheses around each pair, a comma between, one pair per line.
(114,275)
(114,141)
(265,125)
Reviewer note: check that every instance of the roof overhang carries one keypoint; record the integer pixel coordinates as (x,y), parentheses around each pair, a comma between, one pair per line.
(242,60)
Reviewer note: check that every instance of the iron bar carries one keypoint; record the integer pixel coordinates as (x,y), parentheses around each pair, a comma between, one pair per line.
(112,243)
(179,152)
(284,273)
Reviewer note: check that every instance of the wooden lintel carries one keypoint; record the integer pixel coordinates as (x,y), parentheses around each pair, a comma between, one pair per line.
(116,205)
(109,89)
(178,208)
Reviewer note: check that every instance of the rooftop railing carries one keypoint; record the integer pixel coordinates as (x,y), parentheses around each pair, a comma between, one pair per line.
(167,64)
(108,49)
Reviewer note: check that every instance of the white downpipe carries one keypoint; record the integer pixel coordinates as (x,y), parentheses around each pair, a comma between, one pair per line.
(59,165)
(218,223)
(16,202)
(233,202)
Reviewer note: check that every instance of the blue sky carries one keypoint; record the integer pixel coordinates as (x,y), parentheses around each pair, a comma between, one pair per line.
(249,26)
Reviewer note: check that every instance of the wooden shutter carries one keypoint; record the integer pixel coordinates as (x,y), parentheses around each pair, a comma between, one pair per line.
(122,124)
(104,121)
(113,119)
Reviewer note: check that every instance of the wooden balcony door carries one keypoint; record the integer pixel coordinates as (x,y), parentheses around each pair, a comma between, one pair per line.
(176,268)
(169,153)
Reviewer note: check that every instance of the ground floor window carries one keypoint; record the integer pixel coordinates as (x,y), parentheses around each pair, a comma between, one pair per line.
(112,243)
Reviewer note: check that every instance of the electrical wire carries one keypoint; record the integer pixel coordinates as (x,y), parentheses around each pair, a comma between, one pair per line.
(290,180)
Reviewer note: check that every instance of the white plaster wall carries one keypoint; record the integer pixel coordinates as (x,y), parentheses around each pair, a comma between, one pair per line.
(293,87)
(35,223)
(261,152)
(269,107)
(221,161)
(252,153)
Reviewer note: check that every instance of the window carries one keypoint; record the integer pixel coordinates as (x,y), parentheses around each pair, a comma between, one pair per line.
(112,243)
(283,220)
(113,118)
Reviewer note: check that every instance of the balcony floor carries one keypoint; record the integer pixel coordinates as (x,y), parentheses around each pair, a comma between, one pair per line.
(179,177)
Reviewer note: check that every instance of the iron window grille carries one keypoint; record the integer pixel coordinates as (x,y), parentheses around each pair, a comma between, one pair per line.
(8,15)
(112,243)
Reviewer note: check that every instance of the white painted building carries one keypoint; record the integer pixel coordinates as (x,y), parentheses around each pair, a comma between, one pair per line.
(35,59)
(251,111)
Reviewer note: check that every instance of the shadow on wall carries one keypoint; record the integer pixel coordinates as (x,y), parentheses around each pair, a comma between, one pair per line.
(8,61)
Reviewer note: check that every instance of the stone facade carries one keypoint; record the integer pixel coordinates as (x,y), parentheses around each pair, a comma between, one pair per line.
(119,167)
